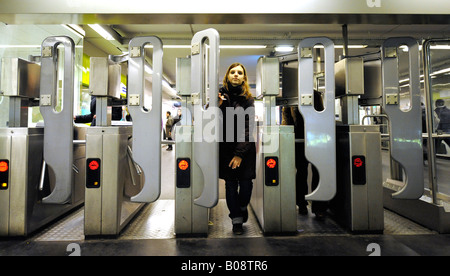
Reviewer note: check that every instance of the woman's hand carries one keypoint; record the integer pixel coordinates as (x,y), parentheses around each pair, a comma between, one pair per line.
(221,98)
(235,162)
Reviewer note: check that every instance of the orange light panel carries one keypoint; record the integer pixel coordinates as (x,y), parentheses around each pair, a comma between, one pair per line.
(183,165)
(3,166)
(271,163)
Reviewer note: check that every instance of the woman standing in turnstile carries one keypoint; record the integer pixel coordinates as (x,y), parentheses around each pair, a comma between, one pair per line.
(237,160)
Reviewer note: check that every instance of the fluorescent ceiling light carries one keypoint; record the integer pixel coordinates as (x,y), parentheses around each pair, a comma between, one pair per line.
(342,46)
(221,46)
(75,29)
(20,46)
(439,47)
(284,48)
(351,46)
(443,71)
(243,46)
(176,46)
(99,29)
(432,47)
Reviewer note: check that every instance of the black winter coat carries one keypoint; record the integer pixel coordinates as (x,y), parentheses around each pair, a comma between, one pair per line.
(444,118)
(228,149)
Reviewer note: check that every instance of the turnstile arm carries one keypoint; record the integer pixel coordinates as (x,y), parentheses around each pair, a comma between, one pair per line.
(206,149)
(320,130)
(58,127)
(146,124)
(405,125)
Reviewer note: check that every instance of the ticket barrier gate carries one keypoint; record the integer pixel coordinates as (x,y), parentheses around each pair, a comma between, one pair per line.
(197,156)
(116,182)
(41,171)
(359,199)
(109,179)
(350,178)
(405,128)
(320,138)
(273,196)
(404,189)
(190,219)
(319,143)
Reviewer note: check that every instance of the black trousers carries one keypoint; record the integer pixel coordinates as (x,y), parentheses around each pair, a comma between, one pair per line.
(238,194)
(301,180)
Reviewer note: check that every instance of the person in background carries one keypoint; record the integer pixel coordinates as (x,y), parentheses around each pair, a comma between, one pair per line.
(169,125)
(92,117)
(443,113)
(88,118)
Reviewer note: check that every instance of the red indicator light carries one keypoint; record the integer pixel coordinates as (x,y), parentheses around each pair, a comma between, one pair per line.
(183,165)
(3,166)
(271,163)
(358,162)
(93,165)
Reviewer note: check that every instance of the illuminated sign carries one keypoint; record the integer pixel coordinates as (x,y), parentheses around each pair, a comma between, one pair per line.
(359,170)
(271,163)
(271,171)
(93,165)
(183,174)
(93,174)
(4,174)
(357,162)
(183,165)
(3,166)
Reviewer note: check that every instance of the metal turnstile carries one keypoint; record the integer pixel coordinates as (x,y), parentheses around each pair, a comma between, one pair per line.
(273,197)
(320,138)
(146,117)
(359,199)
(196,150)
(119,180)
(111,178)
(41,169)
(405,123)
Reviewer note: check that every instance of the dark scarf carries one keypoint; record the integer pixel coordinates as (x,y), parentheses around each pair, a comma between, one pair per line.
(234,90)
(235,97)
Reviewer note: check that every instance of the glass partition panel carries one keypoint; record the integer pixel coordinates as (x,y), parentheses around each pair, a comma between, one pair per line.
(440,95)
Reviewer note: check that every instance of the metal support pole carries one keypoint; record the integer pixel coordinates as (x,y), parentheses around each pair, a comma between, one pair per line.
(429,118)
(345,36)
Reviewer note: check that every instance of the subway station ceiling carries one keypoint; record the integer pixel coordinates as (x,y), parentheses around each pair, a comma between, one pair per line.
(264,25)
(177,38)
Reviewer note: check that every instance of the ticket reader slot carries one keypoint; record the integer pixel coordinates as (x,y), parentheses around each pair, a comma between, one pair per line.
(404,125)
(322,154)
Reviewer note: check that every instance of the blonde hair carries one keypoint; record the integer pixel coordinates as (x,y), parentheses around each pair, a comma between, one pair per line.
(245,87)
